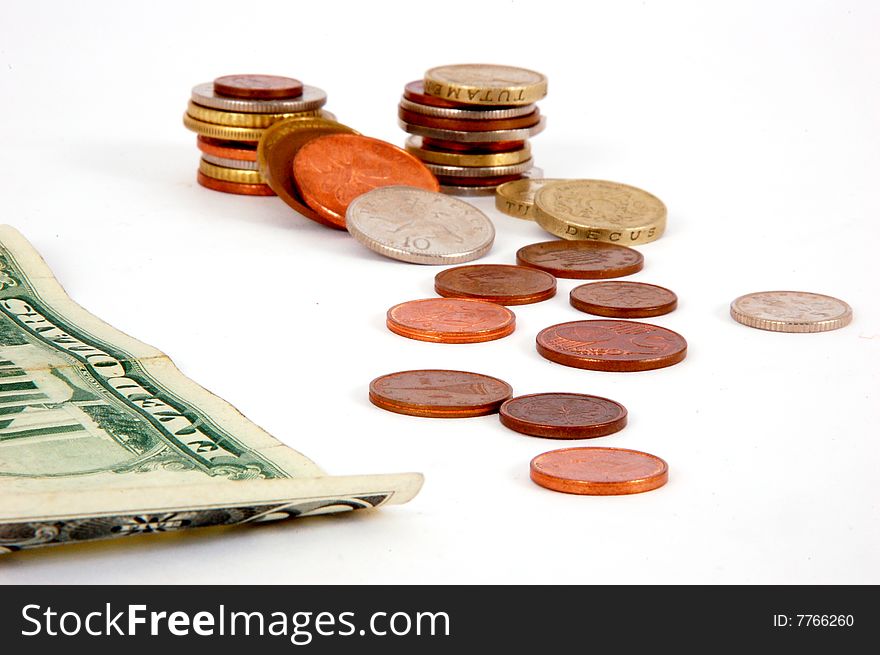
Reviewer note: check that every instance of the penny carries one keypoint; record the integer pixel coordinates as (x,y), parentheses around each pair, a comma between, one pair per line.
(469,125)
(604,345)
(276,153)
(331,171)
(432,156)
(591,471)
(418,226)
(483,136)
(311,98)
(486,84)
(451,320)
(226,162)
(517,198)
(447,171)
(791,311)
(498,283)
(233,187)
(563,415)
(242,150)
(623,299)
(472,148)
(477,181)
(468,113)
(261,87)
(582,260)
(597,210)
(439,393)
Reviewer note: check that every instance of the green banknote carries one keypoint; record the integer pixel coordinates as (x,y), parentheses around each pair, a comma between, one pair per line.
(102,436)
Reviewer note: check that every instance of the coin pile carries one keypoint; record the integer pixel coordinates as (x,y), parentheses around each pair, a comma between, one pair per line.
(232,113)
(471,124)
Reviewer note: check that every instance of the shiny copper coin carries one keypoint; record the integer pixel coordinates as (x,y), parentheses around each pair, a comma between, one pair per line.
(241,150)
(439,394)
(484,125)
(563,415)
(623,299)
(498,283)
(331,171)
(603,345)
(599,471)
(415,91)
(451,320)
(477,181)
(584,260)
(258,87)
(483,147)
(234,187)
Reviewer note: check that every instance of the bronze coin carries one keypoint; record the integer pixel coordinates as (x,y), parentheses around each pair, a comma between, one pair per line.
(591,471)
(241,150)
(477,181)
(415,92)
(498,283)
(604,345)
(451,320)
(258,87)
(584,260)
(439,394)
(469,125)
(563,415)
(234,187)
(484,148)
(623,299)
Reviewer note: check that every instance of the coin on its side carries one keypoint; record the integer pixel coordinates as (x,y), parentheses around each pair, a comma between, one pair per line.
(451,320)
(791,311)
(563,415)
(498,283)
(418,226)
(486,84)
(582,260)
(517,198)
(623,299)
(439,393)
(598,210)
(599,471)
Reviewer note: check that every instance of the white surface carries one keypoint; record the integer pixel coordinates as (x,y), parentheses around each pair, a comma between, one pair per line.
(755,122)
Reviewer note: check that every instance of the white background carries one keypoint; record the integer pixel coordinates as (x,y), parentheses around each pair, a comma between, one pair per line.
(755,122)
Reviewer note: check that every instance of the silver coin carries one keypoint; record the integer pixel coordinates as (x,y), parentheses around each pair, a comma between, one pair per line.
(312,98)
(487,136)
(474,191)
(466,114)
(240,164)
(479,171)
(418,226)
(791,311)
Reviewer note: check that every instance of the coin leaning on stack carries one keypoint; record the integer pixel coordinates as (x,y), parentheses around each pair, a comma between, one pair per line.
(470,124)
(232,113)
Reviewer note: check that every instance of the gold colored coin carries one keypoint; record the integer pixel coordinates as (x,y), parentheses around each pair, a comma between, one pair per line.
(448,158)
(223,132)
(486,84)
(597,210)
(517,198)
(238,119)
(237,175)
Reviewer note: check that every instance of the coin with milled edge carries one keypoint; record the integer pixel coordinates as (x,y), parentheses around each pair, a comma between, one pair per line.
(498,283)
(418,226)
(582,260)
(237,175)
(479,171)
(311,98)
(593,471)
(791,311)
(261,87)
(465,159)
(233,187)
(563,415)
(451,320)
(223,132)
(472,114)
(474,137)
(486,84)
(240,164)
(436,393)
(240,119)
(517,198)
(623,299)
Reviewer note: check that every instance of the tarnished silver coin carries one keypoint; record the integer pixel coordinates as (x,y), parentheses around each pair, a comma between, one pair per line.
(479,171)
(240,164)
(312,98)
(791,311)
(466,114)
(418,226)
(487,136)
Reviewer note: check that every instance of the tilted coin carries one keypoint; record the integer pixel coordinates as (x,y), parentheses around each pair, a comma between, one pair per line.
(443,170)
(498,283)
(583,260)
(623,299)
(419,226)
(791,311)
(243,150)
(263,87)
(311,98)
(486,84)
(604,345)
(241,119)
(451,320)
(599,471)
(469,125)
(233,187)
(597,210)
(439,394)
(470,113)
(474,137)
(225,162)
(414,146)
(236,175)
(517,198)
(563,415)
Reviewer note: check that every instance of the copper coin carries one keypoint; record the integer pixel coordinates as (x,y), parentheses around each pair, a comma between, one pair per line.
(451,320)
(563,415)
(241,150)
(234,187)
(599,471)
(584,260)
(258,87)
(485,125)
(415,91)
(331,171)
(439,394)
(498,283)
(603,345)
(477,181)
(485,147)
(623,299)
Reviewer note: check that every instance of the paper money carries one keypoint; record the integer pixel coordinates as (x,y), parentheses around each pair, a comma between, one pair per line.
(101,436)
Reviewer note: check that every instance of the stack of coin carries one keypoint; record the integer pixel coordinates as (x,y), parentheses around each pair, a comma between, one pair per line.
(232,113)
(471,124)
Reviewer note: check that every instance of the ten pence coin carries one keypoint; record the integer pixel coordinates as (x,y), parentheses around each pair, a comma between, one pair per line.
(563,415)
(623,299)
(605,345)
(590,260)
(498,283)
(791,311)
(439,393)
(599,471)
(451,320)
(260,87)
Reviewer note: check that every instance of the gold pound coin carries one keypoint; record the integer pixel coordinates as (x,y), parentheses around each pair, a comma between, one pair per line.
(449,158)
(239,119)
(597,210)
(486,84)
(237,175)
(517,198)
